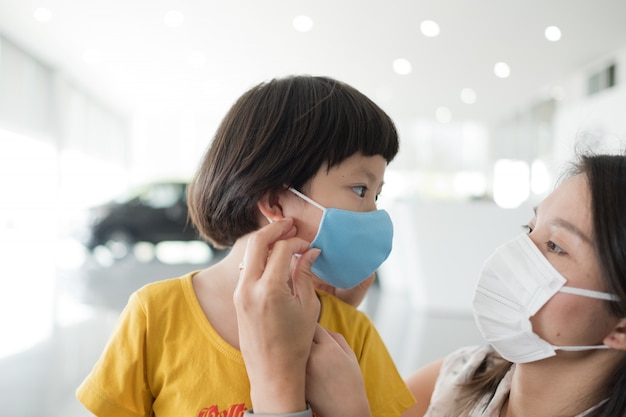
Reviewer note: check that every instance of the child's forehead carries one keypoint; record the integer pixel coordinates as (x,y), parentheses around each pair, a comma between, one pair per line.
(370,167)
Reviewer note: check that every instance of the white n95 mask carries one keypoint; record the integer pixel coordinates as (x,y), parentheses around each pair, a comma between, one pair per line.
(516,281)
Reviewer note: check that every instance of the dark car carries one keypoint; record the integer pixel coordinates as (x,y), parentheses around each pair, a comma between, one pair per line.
(152,213)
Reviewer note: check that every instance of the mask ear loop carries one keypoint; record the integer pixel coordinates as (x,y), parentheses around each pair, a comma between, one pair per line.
(589,293)
(307,199)
(585,293)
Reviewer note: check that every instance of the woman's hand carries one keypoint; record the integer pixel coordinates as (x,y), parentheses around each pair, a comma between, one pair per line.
(277,312)
(334,383)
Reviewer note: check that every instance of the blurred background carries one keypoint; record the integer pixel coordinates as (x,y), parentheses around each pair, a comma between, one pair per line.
(107,107)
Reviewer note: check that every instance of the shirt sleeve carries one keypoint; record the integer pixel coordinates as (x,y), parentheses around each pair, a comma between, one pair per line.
(387,393)
(117,385)
(386,390)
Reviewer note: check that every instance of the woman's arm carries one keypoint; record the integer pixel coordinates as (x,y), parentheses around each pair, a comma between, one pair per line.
(334,383)
(276,318)
(289,358)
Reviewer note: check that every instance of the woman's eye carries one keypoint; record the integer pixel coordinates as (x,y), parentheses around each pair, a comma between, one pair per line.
(553,247)
(360,190)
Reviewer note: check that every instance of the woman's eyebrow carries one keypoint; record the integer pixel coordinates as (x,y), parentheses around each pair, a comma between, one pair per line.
(572,228)
(559,222)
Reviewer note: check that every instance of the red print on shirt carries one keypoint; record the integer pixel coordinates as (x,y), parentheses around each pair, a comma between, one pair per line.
(235,410)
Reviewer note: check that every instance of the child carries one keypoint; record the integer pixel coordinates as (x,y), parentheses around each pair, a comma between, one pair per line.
(299,148)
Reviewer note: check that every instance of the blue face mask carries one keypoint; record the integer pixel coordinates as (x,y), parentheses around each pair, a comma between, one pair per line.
(353,244)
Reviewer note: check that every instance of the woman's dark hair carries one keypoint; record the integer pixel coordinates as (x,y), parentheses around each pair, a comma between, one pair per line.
(279,134)
(606,177)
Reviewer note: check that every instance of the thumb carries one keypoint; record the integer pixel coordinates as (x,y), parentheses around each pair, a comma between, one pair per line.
(302,275)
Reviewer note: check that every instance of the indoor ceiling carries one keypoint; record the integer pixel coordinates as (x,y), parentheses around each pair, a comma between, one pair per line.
(196,56)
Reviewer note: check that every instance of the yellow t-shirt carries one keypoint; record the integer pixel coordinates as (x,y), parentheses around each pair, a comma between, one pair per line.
(165,359)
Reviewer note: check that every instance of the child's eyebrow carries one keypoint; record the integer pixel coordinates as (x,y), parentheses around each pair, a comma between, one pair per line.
(369,174)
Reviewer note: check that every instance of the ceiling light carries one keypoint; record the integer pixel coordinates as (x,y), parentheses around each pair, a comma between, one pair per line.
(468,96)
(42,15)
(402,66)
(173,18)
(553,33)
(502,70)
(302,23)
(443,114)
(429,28)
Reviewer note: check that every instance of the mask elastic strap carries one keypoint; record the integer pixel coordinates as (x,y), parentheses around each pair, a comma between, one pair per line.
(585,293)
(579,348)
(600,404)
(589,293)
(302,196)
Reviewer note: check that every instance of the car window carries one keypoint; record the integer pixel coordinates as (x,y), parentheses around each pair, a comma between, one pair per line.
(162,195)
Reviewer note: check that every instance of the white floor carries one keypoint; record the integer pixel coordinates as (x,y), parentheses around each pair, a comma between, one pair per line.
(54,323)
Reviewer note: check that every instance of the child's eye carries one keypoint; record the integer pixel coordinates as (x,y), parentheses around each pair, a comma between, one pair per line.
(527,228)
(360,190)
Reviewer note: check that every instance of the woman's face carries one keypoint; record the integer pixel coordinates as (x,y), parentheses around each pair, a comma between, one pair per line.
(562,230)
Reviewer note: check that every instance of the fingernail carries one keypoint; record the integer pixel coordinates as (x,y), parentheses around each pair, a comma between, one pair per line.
(316,253)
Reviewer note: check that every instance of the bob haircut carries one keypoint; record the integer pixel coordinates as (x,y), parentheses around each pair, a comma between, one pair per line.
(278,134)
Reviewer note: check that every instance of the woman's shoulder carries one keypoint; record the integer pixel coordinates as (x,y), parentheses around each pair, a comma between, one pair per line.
(433,382)
(470,357)
(456,365)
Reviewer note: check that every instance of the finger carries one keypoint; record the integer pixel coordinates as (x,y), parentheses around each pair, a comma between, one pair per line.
(303,277)
(258,247)
(341,341)
(278,267)
(322,335)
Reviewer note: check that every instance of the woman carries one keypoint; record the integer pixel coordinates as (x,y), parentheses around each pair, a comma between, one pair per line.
(559,349)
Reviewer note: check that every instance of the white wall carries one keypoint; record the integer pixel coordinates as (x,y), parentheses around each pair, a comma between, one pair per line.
(595,121)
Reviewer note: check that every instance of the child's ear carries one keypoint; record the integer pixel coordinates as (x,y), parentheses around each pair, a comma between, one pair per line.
(270,207)
(617,338)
